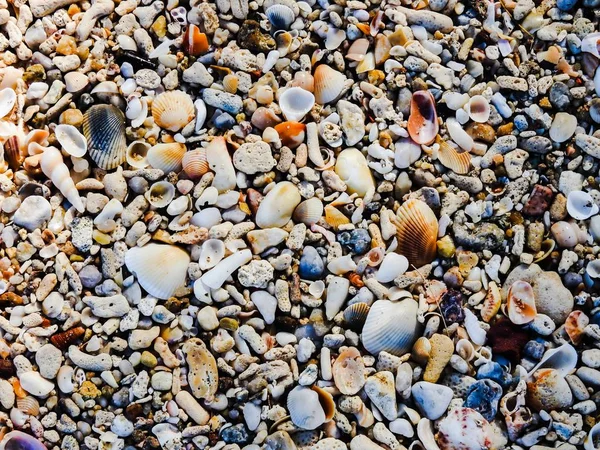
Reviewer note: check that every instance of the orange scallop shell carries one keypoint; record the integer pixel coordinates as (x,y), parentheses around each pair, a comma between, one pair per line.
(195,163)
(453,159)
(423,125)
(416,231)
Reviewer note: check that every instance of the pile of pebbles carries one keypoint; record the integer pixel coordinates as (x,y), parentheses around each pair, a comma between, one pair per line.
(299,225)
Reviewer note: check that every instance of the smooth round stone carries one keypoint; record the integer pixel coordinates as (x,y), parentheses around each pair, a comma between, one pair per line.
(76,81)
(563,127)
(432,399)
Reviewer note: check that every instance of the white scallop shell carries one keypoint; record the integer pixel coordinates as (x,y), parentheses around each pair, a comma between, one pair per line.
(8,98)
(295,103)
(211,253)
(280,16)
(71,140)
(581,205)
(391,327)
(159,268)
(305,409)
(160,194)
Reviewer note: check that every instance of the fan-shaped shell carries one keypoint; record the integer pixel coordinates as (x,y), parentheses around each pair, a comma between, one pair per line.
(71,140)
(416,231)
(195,163)
(391,327)
(329,84)
(29,405)
(463,429)
(575,324)
(167,157)
(422,122)
(160,194)
(478,108)
(309,211)
(159,268)
(491,303)
(458,162)
(280,16)
(137,154)
(173,110)
(335,217)
(305,408)
(292,134)
(104,129)
(295,103)
(356,314)
(349,372)
(520,303)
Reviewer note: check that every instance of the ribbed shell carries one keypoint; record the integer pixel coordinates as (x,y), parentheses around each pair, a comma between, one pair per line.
(104,129)
(280,16)
(309,211)
(29,405)
(173,110)
(329,84)
(349,372)
(355,315)
(305,408)
(167,157)
(335,217)
(391,327)
(195,163)
(416,231)
(452,159)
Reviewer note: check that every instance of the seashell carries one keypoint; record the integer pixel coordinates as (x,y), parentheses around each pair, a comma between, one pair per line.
(593,268)
(465,349)
(478,108)
(173,110)
(392,266)
(382,48)
(265,117)
(594,110)
(305,80)
(166,433)
(459,135)
(29,405)
(64,339)
(167,157)
(106,87)
(422,122)
(71,140)
(581,205)
(548,390)
(575,324)
(211,253)
(35,384)
(215,278)
(491,303)
(327,402)
(230,83)
(283,43)
(160,194)
(334,38)
(358,50)
(200,114)
(195,42)
(104,129)
(329,84)
(147,263)
(566,234)
(17,440)
(195,163)
(349,373)
(295,103)
(203,377)
(317,289)
(406,152)
(464,429)
(309,211)
(138,111)
(351,166)
(416,232)
(54,168)
(8,99)
(305,408)
(277,207)
(421,350)
(12,153)
(335,217)
(137,153)
(592,440)
(280,16)
(563,359)
(355,315)
(391,327)
(367,64)
(589,44)
(458,162)
(520,303)
(563,127)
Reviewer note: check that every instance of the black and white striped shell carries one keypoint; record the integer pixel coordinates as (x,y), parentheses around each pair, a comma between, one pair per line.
(104,129)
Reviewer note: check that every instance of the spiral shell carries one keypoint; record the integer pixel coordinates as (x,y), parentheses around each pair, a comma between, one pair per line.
(167,157)
(173,110)
(54,168)
(64,339)
(422,122)
(104,129)
(329,84)
(195,163)
(416,231)
(349,372)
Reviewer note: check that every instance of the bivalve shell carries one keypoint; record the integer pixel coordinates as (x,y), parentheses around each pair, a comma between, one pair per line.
(195,42)
(195,163)
(8,98)
(305,408)
(280,16)
(478,108)
(416,231)
(17,440)
(173,110)
(104,129)
(211,253)
(329,84)
(71,140)
(520,303)
(349,372)
(309,211)
(292,134)
(160,194)
(422,122)
(29,405)
(574,326)
(356,314)
(167,157)
(581,205)
(295,103)
(458,162)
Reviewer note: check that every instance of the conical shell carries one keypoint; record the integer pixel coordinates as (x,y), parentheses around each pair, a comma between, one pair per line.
(422,122)
(575,324)
(416,231)
(356,314)
(329,84)
(53,166)
(160,194)
(391,327)
(520,303)
(195,163)
(295,103)
(305,408)
(452,159)
(309,211)
(159,268)
(203,377)
(104,129)
(173,110)
(29,405)
(280,16)
(292,134)
(349,372)
(167,157)
(137,154)
(71,140)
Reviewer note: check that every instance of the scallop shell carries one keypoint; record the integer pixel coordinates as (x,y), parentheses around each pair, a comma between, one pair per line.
(309,211)
(71,140)
(8,98)
(280,16)
(478,108)
(194,41)
(160,194)
(29,405)
(305,408)
(195,163)
(422,122)
(173,110)
(104,129)
(295,103)
(17,440)
(391,327)
(581,205)
(329,84)
(355,315)
(491,303)
(335,217)
(458,162)
(416,231)
(203,377)
(575,324)
(155,275)
(167,157)
(211,253)
(230,83)
(137,153)
(520,303)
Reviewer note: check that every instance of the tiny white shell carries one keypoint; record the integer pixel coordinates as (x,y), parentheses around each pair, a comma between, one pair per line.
(137,153)
(295,103)
(71,140)
(211,253)
(581,205)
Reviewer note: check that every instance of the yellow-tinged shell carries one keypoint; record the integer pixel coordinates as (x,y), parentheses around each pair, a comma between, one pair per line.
(327,402)
(195,163)
(416,231)
(421,350)
(335,217)
(329,84)
(491,303)
(574,326)
(167,157)
(349,372)
(309,211)
(356,314)
(230,83)
(452,159)
(520,303)
(203,377)
(29,405)
(173,110)
(104,129)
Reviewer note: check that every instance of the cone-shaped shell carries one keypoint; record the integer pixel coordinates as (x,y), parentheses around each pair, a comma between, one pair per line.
(356,314)
(305,408)
(416,231)
(71,140)
(167,157)
(309,211)
(422,122)
(391,327)
(349,372)
(351,166)
(104,129)
(173,110)
(195,163)
(292,134)
(520,303)
(329,84)
(203,377)
(452,159)
(160,269)
(17,440)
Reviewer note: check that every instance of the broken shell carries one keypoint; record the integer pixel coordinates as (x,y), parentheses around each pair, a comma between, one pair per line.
(478,108)
(292,134)
(548,390)
(167,157)
(392,266)
(581,205)
(277,207)
(173,110)
(421,350)
(327,402)
(195,42)
(8,98)
(305,408)
(416,231)
(35,384)
(591,440)
(203,377)
(137,153)
(160,194)
(391,327)
(349,372)
(104,129)
(335,217)
(563,127)
(280,16)
(147,263)
(563,359)
(329,84)
(309,211)
(459,135)
(356,314)
(351,166)
(295,103)
(520,303)
(358,50)
(211,253)
(491,303)
(464,429)
(17,440)
(574,326)
(367,64)
(71,140)
(406,152)
(458,162)
(422,121)
(195,163)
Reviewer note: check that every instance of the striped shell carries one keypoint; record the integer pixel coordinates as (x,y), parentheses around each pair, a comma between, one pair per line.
(280,16)
(305,408)
(458,162)
(335,217)
(63,339)
(29,405)
(520,303)
(491,303)
(173,110)
(355,315)
(422,122)
(391,327)
(167,157)
(195,163)
(104,129)
(349,372)
(309,211)
(329,84)
(416,231)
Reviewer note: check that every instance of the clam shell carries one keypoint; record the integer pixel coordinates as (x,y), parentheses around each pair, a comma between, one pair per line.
(29,405)
(327,402)
(155,275)
(137,154)
(296,102)
(459,135)
(195,163)
(8,98)
(167,157)
(416,231)
(305,408)
(351,166)
(349,372)
(309,211)
(277,207)
(478,108)
(211,253)
(581,205)
(422,122)
(280,16)
(104,129)
(575,324)
(173,110)
(71,140)
(203,377)
(355,315)
(458,162)
(17,440)
(329,84)
(520,303)
(391,327)
(160,194)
